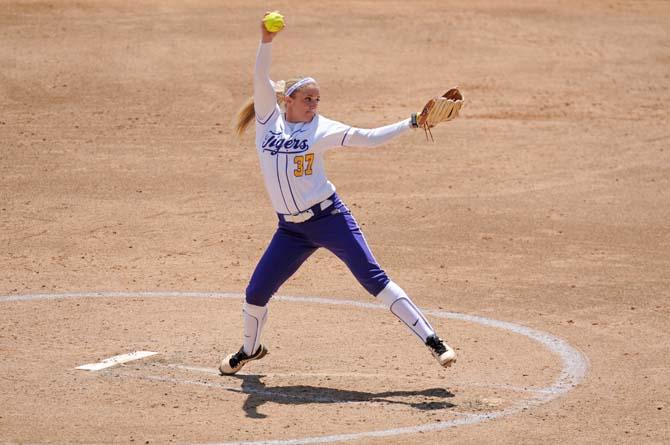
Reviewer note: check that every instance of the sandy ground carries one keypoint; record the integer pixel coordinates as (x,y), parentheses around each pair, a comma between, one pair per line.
(545,205)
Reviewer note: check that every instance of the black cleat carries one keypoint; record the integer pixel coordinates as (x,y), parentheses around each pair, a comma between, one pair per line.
(234,362)
(441,351)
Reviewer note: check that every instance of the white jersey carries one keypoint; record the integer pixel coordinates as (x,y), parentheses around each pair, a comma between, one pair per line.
(292,154)
(291,157)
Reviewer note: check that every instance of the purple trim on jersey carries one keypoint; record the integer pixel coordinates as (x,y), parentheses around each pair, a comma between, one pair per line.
(266,120)
(336,230)
(281,191)
(345,136)
(290,189)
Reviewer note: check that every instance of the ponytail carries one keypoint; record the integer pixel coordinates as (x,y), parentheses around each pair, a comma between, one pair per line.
(245,116)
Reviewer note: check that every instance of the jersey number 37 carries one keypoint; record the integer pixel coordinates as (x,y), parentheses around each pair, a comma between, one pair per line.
(303,164)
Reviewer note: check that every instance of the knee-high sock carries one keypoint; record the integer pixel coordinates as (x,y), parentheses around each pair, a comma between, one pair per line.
(254,320)
(402,307)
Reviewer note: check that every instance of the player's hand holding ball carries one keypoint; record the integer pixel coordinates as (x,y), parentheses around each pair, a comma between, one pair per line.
(272,23)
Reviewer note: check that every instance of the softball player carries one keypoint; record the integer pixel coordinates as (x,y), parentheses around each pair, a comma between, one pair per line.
(291,147)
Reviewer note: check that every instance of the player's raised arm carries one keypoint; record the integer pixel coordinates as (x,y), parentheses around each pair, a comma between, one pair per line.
(263,103)
(265,100)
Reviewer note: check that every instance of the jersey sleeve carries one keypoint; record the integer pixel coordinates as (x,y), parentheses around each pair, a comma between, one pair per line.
(265,100)
(362,137)
(336,134)
(331,134)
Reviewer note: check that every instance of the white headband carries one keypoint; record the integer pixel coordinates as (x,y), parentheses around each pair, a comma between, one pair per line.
(299,84)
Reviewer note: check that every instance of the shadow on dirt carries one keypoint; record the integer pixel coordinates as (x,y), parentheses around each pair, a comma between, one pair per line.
(259,394)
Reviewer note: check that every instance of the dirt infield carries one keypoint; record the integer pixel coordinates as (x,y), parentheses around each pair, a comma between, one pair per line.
(126,201)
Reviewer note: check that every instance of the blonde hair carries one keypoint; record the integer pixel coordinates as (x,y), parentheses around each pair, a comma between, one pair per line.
(247,111)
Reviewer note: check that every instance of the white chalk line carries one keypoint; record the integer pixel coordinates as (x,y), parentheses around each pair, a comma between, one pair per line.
(355,375)
(574,364)
(300,375)
(276,374)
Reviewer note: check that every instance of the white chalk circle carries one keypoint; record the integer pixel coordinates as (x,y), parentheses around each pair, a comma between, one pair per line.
(574,364)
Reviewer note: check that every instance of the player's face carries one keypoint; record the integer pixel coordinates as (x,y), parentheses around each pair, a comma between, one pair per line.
(302,106)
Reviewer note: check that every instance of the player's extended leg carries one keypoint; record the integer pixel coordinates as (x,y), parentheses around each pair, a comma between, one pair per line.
(404,308)
(286,252)
(342,236)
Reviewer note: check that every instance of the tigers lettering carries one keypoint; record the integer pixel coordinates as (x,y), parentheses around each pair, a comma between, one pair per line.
(275,143)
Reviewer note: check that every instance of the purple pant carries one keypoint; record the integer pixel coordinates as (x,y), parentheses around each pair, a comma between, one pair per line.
(334,229)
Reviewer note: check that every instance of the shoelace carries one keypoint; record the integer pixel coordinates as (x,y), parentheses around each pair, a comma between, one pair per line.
(237,358)
(436,345)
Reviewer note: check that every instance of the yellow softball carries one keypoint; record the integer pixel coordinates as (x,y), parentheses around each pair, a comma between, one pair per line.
(273,21)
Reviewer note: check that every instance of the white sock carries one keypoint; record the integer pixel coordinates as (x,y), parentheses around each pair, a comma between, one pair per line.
(402,307)
(254,320)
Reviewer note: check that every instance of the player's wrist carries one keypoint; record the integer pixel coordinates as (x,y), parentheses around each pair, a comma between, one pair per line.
(413,120)
(267,36)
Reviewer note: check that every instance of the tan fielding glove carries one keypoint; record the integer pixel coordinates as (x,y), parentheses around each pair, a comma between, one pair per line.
(438,109)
